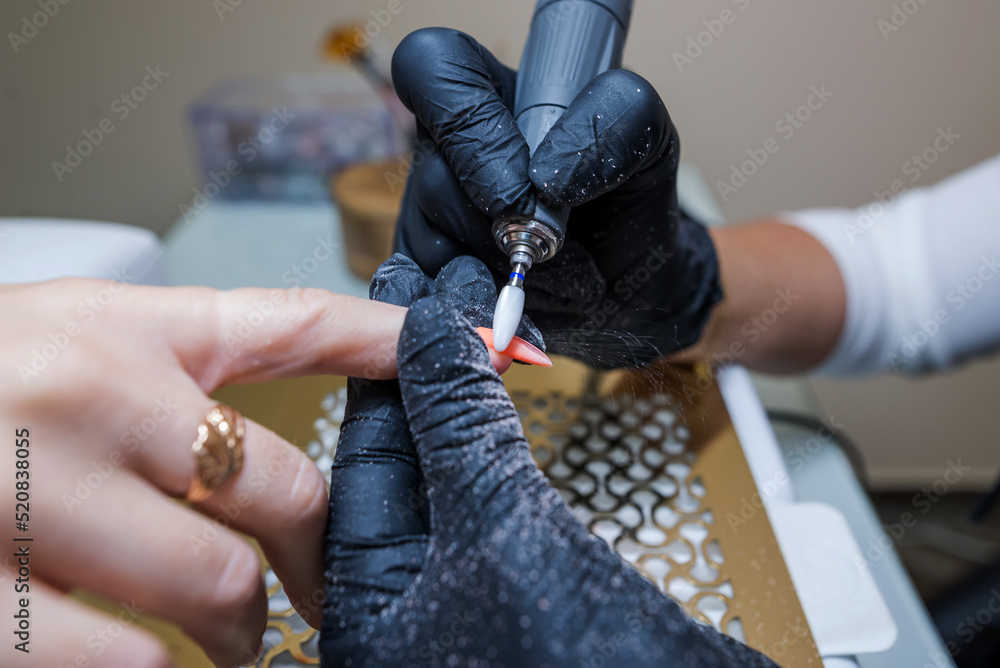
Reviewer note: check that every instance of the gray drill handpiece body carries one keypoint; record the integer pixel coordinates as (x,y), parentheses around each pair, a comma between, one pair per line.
(570,43)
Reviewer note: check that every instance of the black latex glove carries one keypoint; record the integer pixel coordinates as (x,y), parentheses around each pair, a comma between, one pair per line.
(636,278)
(447,545)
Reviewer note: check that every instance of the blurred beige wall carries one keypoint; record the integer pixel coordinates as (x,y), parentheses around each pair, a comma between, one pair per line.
(890,94)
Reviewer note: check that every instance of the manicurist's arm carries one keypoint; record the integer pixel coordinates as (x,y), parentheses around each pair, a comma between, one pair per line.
(910,283)
(783,305)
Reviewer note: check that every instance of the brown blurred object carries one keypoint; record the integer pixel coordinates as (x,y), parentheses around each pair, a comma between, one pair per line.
(347,43)
(339,41)
(369,204)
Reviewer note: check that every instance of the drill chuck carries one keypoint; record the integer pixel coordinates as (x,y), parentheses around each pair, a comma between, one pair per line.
(570,43)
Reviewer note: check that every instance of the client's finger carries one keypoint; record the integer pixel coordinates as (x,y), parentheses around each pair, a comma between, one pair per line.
(129,542)
(279,496)
(254,334)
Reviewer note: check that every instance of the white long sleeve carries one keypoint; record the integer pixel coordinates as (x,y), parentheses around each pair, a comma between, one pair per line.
(921,272)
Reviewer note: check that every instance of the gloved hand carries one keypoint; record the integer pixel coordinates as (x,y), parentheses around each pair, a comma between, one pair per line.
(448,547)
(636,278)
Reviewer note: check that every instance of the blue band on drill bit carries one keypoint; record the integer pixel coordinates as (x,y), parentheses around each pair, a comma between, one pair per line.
(514,274)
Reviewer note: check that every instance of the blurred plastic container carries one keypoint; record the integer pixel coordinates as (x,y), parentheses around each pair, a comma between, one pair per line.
(279,138)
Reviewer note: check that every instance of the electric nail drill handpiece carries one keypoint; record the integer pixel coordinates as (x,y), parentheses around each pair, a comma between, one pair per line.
(570,43)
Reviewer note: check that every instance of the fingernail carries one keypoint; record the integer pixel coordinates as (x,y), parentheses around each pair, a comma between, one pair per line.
(518,349)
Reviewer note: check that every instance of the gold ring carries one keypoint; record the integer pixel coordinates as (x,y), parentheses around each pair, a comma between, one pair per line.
(218,451)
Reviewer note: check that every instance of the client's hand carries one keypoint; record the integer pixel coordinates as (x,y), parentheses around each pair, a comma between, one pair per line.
(103,387)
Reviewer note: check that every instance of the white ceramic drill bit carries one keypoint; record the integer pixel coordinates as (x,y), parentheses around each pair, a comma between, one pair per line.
(507,316)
